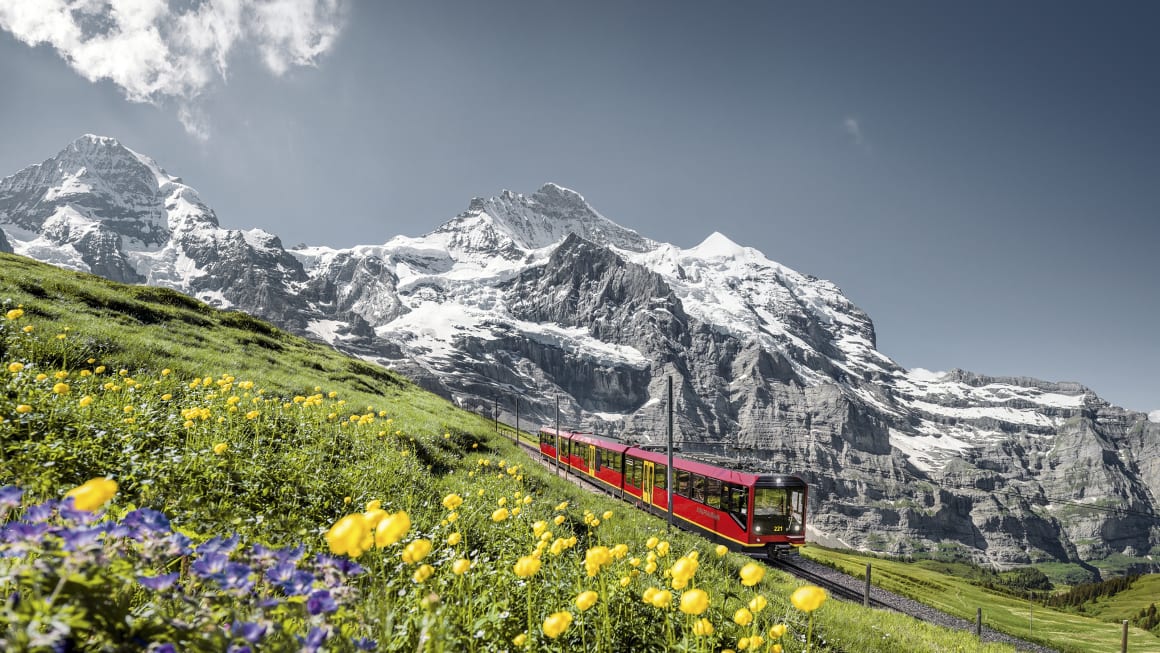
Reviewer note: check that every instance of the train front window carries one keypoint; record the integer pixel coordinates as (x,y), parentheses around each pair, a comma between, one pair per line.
(778,511)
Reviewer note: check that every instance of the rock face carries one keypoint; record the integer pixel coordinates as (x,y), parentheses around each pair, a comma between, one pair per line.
(5,246)
(537,297)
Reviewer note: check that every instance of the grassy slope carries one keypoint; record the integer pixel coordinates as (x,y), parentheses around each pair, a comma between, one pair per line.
(1068,631)
(290,473)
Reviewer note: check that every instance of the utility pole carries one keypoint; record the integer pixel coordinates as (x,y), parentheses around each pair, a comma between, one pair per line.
(516,435)
(669,467)
(497,413)
(557,434)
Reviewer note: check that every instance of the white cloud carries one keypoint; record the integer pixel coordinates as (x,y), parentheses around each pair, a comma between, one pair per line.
(854,129)
(1154,416)
(162,50)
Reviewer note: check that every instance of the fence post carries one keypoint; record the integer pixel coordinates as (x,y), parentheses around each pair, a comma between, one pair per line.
(979,623)
(1124,638)
(866,594)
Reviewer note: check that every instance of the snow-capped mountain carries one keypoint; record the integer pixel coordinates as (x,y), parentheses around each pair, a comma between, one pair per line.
(538,296)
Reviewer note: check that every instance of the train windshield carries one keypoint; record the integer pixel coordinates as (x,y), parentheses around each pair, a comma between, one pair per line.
(778,511)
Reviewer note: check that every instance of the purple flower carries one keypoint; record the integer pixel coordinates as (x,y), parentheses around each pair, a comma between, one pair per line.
(146,521)
(314,639)
(365,644)
(69,513)
(81,538)
(251,632)
(236,576)
(163,648)
(320,602)
(280,573)
(290,579)
(234,648)
(10,496)
(41,512)
(219,545)
(210,565)
(266,556)
(159,583)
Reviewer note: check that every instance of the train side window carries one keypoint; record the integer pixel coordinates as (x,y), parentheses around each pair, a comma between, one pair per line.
(681,482)
(698,488)
(596,461)
(713,492)
(618,462)
(661,472)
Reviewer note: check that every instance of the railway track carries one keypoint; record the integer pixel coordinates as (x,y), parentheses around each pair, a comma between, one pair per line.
(837,584)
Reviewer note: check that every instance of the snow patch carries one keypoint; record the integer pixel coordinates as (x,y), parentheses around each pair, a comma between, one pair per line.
(1154,417)
(921,374)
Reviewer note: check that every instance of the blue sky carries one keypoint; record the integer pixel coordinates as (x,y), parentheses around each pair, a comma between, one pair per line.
(982,178)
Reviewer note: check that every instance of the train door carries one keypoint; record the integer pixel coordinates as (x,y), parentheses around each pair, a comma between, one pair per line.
(591,460)
(648,482)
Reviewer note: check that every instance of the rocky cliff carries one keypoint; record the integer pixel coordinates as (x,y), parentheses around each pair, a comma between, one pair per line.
(534,297)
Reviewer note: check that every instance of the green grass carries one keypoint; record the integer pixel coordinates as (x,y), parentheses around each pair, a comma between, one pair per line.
(157,381)
(1018,617)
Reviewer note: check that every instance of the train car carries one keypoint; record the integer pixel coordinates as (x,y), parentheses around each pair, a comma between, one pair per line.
(760,514)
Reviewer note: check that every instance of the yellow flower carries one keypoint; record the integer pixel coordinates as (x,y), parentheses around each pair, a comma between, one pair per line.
(755,641)
(60,389)
(460,566)
(539,527)
(557,623)
(651,543)
(663,549)
(452,501)
(166,397)
(166,372)
(775,648)
(454,538)
(751,574)
(757,604)
(500,515)
(99,370)
(349,535)
(527,566)
(586,600)
(374,516)
(392,529)
(662,599)
(15,367)
(703,628)
(680,583)
(28,328)
(607,515)
(23,408)
(777,631)
(85,401)
(42,376)
(743,644)
(721,550)
(220,448)
(743,617)
(374,504)
(562,506)
(684,569)
(60,376)
(416,551)
(559,519)
(808,598)
(14,314)
(520,640)
(694,602)
(93,494)
(422,573)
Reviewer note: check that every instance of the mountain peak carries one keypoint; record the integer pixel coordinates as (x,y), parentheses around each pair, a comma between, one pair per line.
(544,218)
(718,245)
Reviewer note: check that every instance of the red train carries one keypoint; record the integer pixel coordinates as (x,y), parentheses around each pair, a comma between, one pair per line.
(759,514)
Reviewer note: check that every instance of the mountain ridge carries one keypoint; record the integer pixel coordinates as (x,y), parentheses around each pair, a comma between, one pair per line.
(536,296)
